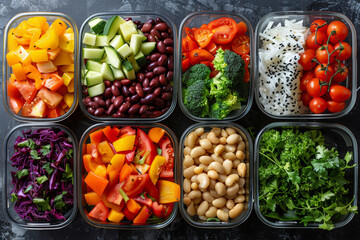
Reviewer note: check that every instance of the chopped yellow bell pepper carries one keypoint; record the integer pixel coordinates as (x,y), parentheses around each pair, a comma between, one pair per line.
(71,87)
(115,216)
(101,171)
(168,191)
(59,26)
(66,42)
(36,36)
(39,55)
(125,143)
(118,161)
(69,30)
(23,55)
(63,58)
(48,41)
(52,54)
(69,99)
(67,77)
(68,68)
(12,58)
(12,43)
(37,22)
(18,71)
(155,168)
(105,151)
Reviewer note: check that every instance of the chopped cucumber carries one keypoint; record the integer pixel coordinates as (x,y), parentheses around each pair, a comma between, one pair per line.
(89,39)
(117,41)
(135,43)
(113,56)
(102,40)
(142,34)
(93,53)
(148,47)
(140,59)
(97,25)
(83,76)
(130,74)
(107,72)
(125,51)
(112,26)
(118,73)
(133,62)
(93,78)
(92,65)
(128,66)
(96,90)
(127,29)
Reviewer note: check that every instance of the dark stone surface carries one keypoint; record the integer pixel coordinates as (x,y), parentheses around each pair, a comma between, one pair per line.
(253,228)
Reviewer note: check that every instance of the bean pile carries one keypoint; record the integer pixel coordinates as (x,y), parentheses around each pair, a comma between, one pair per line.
(150,95)
(214,174)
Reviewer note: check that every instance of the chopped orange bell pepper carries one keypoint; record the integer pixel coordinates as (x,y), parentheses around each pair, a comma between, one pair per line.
(97,183)
(35,36)
(118,161)
(155,134)
(92,198)
(168,191)
(23,55)
(155,168)
(89,164)
(39,55)
(11,58)
(37,22)
(143,216)
(126,170)
(113,177)
(101,171)
(48,41)
(52,54)
(142,168)
(110,133)
(63,58)
(105,151)
(11,41)
(53,82)
(96,137)
(133,206)
(69,99)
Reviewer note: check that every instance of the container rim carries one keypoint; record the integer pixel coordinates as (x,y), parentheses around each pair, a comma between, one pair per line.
(323,125)
(352,32)
(141,125)
(175,70)
(216,225)
(5,75)
(241,113)
(30,225)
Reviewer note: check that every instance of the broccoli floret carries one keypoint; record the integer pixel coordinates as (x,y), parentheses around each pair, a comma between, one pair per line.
(221,109)
(196,99)
(219,86)
(195,73)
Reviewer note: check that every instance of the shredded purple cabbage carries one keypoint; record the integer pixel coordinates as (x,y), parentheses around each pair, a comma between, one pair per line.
(43,183)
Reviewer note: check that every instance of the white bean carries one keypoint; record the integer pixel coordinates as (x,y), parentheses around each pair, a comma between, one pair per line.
(189,172)
(191,209)
(199,131)
(233,138)
(204,206)
(211,212)
(213,174)
(219,149)
(220,188)
(241,169)
(228,165)
(219,202)
(191,138)
(236,210)
(206,160)
(205,143)
(188,161)
(197,152)
(194,194)
(212,137)
(223,216)
(207,197)
(204,181)
(230,131)
(216,167)
(187,151)
(187,185)
(231,179)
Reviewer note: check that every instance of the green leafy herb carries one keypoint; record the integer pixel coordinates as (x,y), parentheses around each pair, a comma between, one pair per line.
(42,179)
(300,179)
(69,154)
(213,219)
(154,220)
(48,168)
(123,194)
(45,150)
(34,154)
(68,174)
(28,188)
(42,204)
(152,199)
(58,202)
(14,197)
(22,173)
(27,143)
(159,151)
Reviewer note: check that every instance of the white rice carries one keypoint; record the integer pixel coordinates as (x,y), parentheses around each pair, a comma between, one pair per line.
(279,70)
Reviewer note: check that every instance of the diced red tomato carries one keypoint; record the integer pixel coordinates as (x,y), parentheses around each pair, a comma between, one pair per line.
(16,104)
(146,145)
(114,195)
(134,184)
(185,64)
(53,82)
(27,89)
(151,189)
(100,212)
(54,113)
(129,215)
(143,200)
(52,99)
(167,152)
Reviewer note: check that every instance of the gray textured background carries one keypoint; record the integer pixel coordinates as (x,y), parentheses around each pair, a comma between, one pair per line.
(79,10)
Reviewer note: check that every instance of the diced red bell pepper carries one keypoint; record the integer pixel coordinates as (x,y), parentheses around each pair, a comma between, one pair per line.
(129,215)
(151,189)
(100,212)
(110,133)
(134,184)
(114,195)
(143,200)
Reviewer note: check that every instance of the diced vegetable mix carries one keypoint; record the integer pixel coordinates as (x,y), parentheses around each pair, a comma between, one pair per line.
(215,62)
(41,57)
(130,175)
(43,182)
(301,179)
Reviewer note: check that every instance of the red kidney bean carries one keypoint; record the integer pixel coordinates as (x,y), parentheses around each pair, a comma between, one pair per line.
(125,82)
(132,90)
(139,90)
(155,33)
(91,110)
(158,101)
(154,82)
(101,103)
(164,35)
(167,87)
(151,66)
(84,102)
(128,19)
(146,82)
(107,103)
(125,91)
(97,99)
(124,107)
(151,38)
(157,91)
(166,95)
(118,101)
(169,42)
(161,26)
(149,75)
(140,77)
(169,50)
(168,103)
(111,109)
(85,92)
(93,105)
(162,60)
(147,57)
(169,31)
(169,75)
(115,115)
(134,109)
(154,57)
(151,21)
(162,79)
(99,111)
(117,84)
(148,99)
(87,100)
(135,98)
(113,99)
(115,91)
(161,47)
(136,22)
(159,70)
(159,20)
(156,113)
(164,110)
(107,83)
(146,27)
(107,93)
(147,89)
(128,99)
(151,107)
(142,109)
(146,34)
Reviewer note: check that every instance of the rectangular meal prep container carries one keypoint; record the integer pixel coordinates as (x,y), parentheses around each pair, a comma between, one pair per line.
(81,175)
(7,205)
(136,16)
(13,22)
(308,17)
(337,136)
(194,220)
(196,19)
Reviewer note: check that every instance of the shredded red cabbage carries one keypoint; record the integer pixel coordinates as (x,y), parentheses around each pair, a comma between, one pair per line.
(43,183)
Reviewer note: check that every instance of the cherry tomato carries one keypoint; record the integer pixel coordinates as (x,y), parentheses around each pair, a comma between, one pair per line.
(307,76)
(343,52)
(333,106)
(246,59)
(322,55)
(339,93)
(317,23)
(314,89)
(224,29)
(203,36)
(246,76)
(224,47)
(242,28)
(200,55)
(305,59)
(306,98)
(324,74)
(338,31)
(321,38)
(241,44)
(185,64)
(190,33)
(317,105)
(188,45)
(342,72)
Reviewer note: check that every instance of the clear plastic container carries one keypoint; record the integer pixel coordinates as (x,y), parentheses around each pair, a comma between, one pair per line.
(196,19)
(337,136)
(82,173)
(136,16)
(7,205)
(14,22)
(308,17)
(194,220)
